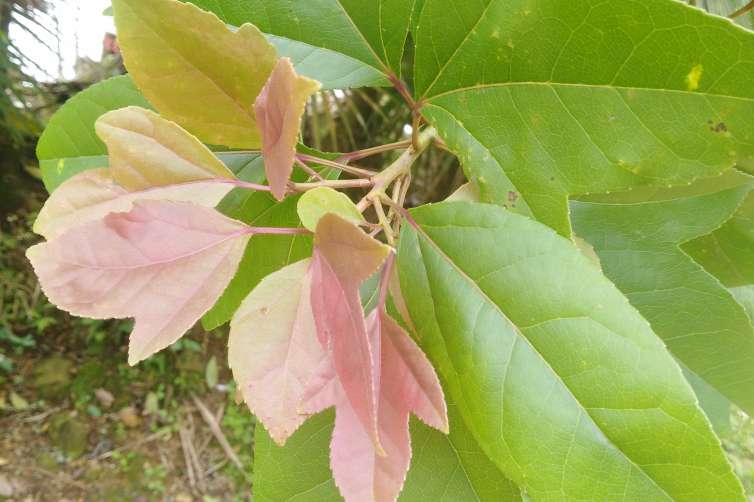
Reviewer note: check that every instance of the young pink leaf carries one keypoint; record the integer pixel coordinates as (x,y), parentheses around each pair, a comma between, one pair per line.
(163,263)
(273,349)
(91,195)
(279,109)
(344,257)
(408,383)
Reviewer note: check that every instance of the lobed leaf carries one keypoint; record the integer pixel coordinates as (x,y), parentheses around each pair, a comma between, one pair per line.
(344,257)
(163,263)
(614,95)
(561,382)
(180,56)
(407,384)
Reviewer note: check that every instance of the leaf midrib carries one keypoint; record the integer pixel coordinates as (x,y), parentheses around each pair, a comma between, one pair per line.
(583,86)
(420,232)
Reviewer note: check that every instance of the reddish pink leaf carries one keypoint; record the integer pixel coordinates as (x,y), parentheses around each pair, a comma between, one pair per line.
(408,383)
(274,352)
(279,109)
(163,263)
(343,258)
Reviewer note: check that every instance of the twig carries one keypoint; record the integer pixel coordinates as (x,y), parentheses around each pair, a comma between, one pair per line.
(187,457)
(359,183)
(368,152)
(743,10)
(356,171)
(216,467)
(41,416)
(148,439)
(308,170)
(217,432)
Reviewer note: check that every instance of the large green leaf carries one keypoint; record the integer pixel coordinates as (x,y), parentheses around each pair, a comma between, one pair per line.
(546,98)
(443,469)
(560,380)
(372,33)
(701,322)
(69,144)
(333,69)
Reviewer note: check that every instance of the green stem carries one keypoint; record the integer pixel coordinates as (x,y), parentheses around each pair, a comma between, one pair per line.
(368,152)
(356,171)
(336,184)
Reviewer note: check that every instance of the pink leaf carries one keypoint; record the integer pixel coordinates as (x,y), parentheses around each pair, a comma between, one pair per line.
(279,109)
(273,349)
(408,383)
(163,263)
(343,258)
(91,195)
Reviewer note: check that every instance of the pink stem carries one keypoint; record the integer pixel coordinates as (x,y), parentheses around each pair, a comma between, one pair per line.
(368,152)
(387,270)
(276,230)
(247,185)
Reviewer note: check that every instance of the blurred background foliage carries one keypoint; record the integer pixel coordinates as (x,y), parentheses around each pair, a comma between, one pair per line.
(77,422)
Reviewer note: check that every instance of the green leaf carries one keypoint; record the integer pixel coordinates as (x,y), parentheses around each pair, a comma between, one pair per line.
(444,468)
(371,33)
(195,70)
(715,405)
(701,322)
(561,382)
(548,98)
(316,203)
(728,252)
(333,69)
(69,144)
(108,11)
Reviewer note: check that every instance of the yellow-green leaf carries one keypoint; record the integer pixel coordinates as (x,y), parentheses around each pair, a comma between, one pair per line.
(147,151)
(194,69)
(316,203)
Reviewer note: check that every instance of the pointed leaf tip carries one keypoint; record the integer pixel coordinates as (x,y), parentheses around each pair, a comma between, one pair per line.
(148,151)
(279,109)
(407,383)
